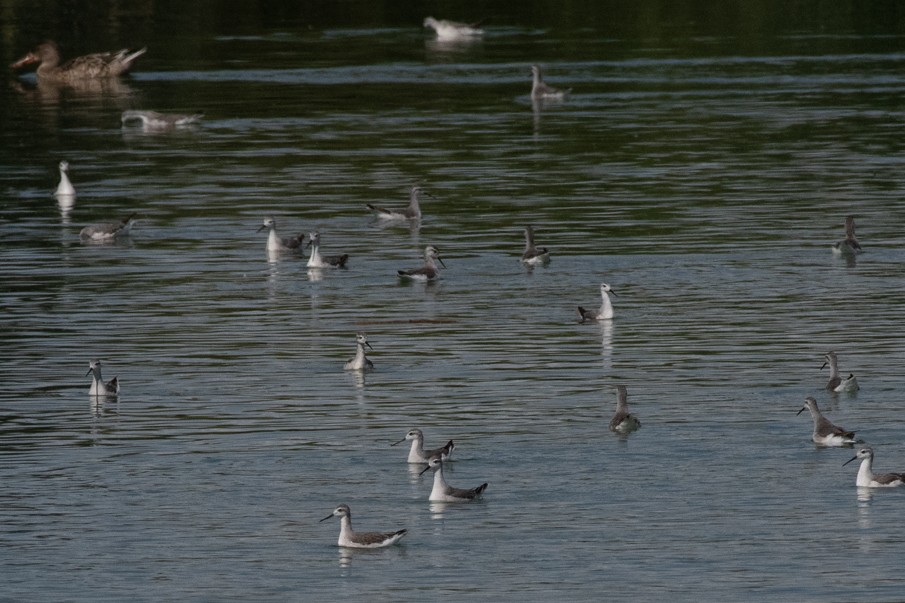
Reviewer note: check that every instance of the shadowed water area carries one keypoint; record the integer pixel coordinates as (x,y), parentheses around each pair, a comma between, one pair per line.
(703,166)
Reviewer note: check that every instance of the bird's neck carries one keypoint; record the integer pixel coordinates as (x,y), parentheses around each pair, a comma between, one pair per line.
(865,472)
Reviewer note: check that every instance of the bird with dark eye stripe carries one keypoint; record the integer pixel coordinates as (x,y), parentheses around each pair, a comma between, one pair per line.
(99,387)
(825,433)
(417,453)
(606,307)
(867,478)
(412,212)
(360,362)
(361,540)
(443,492)
(276,243)
(429,271)
(836,382)
(316,260)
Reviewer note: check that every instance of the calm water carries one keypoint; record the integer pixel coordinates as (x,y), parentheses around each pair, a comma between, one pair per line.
(704,178)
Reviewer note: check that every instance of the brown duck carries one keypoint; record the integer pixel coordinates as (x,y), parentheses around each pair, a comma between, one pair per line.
(88,67)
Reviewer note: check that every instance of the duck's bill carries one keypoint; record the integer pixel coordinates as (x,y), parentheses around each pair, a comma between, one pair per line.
(26,60)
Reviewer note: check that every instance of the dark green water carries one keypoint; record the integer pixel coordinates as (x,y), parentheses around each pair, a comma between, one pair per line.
(702,166)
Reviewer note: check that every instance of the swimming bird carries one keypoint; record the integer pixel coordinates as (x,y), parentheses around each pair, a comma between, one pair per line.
(275,243)
(316,260)
(98,386)
(152,121)
(451,30)
(91,66)
(108,231)
(361,540)
(623,421)
(443,492)
(825,433)
(837,383)
(360,362)
(64,188)
(606,309)
(534,255)
(417,453)
(867,478)
(541,91)
(849,245)
(412,212)
(429,271)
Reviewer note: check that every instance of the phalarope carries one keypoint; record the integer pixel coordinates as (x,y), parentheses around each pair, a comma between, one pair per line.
(451,30)
(316,260)
(534,255)
(848,246)
(361,540)
(867,478)
(88,67)
(412,212)
(108,231)
(154,121)
(443,492)
(606,309)
(541,91)
(276,243)
(360,362)
(98,386)
(836,382)
(623,421)
(417,453)
(825,433)
(429,270)
(64,188)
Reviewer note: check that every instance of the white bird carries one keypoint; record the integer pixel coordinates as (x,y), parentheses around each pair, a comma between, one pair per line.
(412,212)
(152,121)
(623,421)
(275,243)
(429,271)
(98,386)
(451,30)
(836,382)
(360,362)
(606,308)
(64,188)
(867,478)
(534,255)
(849,246)
(825,433)
(541,91)
(443,492)
(361,540)
(316,260)
(108,231)
(417,453)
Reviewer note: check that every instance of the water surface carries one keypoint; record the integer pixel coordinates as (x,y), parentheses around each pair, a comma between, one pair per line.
(705,179)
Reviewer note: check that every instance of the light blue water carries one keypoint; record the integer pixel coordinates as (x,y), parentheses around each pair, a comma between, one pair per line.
(706,190)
